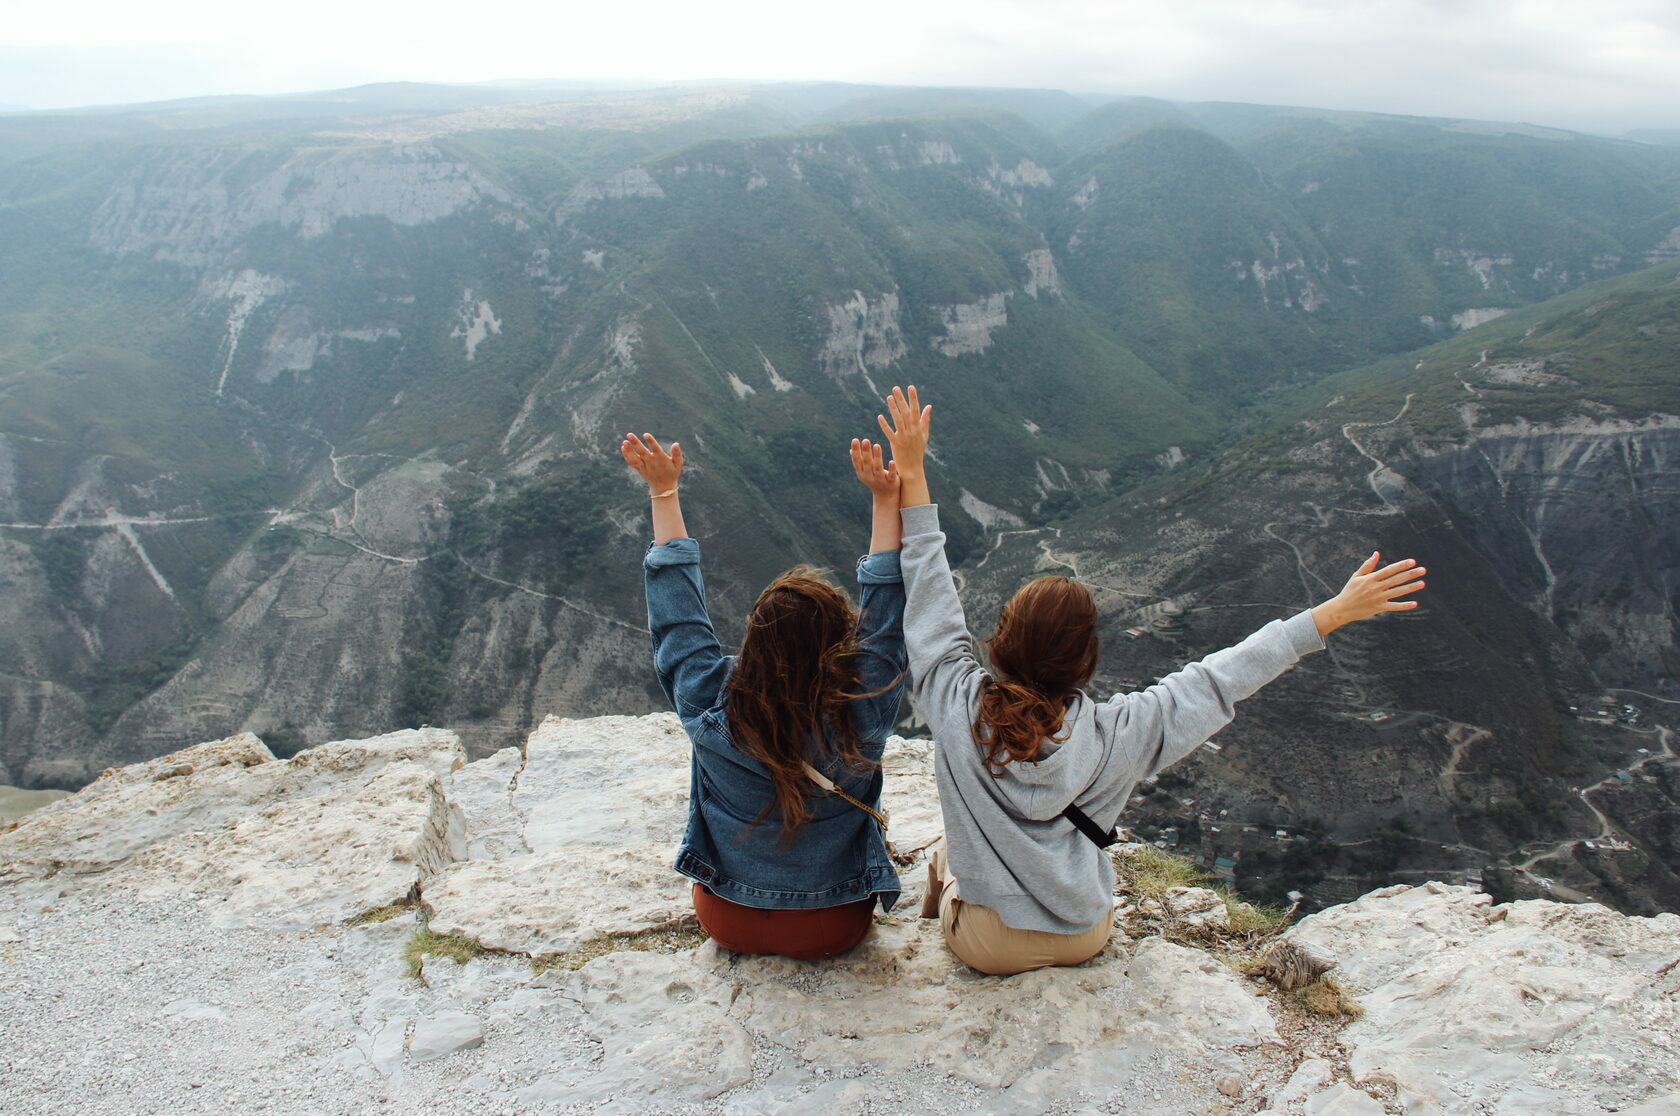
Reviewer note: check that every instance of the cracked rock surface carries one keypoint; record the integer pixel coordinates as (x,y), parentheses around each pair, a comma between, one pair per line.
(178,937)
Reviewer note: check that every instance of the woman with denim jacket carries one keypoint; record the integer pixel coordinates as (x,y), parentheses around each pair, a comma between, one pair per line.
(1032,773)
(785,841)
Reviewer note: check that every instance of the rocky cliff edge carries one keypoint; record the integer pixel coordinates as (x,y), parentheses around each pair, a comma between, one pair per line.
(378,924)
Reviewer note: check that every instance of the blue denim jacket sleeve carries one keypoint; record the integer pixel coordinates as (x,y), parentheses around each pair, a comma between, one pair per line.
(686,656)
(880,635)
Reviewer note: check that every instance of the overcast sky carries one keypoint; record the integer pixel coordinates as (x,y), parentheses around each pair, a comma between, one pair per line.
(1598,65)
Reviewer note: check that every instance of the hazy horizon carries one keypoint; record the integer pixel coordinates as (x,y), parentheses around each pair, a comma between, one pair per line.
(1613,69)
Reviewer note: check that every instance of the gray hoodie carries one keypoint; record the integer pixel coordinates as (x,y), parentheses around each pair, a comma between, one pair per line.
(1009,847)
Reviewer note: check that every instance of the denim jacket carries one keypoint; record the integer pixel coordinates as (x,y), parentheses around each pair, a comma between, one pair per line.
(840,855)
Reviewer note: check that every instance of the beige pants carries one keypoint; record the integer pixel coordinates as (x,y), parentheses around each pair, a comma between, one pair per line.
(979,937)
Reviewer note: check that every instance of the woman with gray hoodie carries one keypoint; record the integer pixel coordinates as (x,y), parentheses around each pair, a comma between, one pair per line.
(1032,773)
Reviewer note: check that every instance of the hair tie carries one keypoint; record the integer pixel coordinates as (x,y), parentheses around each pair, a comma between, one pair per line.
(672,491)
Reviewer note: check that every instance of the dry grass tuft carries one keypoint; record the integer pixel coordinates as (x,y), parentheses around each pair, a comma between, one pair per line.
(385,913)
(1148,872)
(1253,919)
(672,937)
(1325,996)
(457,947)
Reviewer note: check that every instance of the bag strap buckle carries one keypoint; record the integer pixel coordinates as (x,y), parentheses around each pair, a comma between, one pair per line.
(831,787)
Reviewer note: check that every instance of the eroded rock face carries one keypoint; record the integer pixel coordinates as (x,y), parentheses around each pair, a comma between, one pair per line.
(1524,1006)
(191,209)
(1549,501)
(552,901)
(318,838)
(863,333)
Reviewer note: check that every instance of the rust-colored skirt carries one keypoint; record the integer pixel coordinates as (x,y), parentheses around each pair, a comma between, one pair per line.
(805,935)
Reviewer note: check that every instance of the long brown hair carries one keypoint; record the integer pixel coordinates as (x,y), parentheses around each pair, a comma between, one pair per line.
(797,669)
(1043,651)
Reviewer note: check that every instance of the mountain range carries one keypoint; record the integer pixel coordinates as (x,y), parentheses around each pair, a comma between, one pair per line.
(308,410)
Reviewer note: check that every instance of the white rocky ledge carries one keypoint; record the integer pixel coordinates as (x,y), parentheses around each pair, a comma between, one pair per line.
(198,905)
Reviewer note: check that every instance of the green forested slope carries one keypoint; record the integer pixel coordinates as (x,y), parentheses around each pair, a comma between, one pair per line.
(356,365)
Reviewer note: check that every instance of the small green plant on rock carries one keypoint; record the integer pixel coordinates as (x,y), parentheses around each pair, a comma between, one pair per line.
(424,944)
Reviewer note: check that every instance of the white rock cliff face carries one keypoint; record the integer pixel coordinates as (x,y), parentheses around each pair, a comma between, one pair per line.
(190,212)
(969,325)
(1470,1007)
(863,333)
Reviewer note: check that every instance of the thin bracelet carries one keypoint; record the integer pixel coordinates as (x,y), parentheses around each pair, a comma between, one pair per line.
(662,495)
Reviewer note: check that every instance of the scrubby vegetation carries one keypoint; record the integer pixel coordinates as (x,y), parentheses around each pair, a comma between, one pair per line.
(684,933)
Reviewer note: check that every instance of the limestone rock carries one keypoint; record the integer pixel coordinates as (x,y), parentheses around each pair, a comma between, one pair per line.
(863,333)
(436,750)
(193,1010)
(601,803)
(969,326)
(320,837)
(130,808)
(193,208)
(551,901)
(910,796)
(314,858)
(618,781)
(664,1028)
(1340,1100)
(378,1052)
(444,1033)
(1197,907)
(1469,1004)
(900,999)
(483,792)
(1530,1007)
(1311,1076)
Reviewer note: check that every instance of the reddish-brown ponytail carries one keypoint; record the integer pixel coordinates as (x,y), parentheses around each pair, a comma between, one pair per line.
(1043,651)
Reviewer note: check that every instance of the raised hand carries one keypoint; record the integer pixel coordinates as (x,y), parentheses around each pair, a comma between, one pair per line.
(908,434)
(867,463)
(659,467)
(1370,591)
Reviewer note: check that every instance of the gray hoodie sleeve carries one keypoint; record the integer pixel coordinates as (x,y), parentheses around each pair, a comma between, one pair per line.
(1174,717)
(944,670)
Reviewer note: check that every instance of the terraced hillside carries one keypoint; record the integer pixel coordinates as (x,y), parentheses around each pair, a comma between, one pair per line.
(1520,725)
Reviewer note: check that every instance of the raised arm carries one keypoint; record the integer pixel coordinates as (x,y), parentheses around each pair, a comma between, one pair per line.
(1169,720)
(660,468)
(1175,717)
(880,624)
(686,655)
(908,433)
(885,531)
(943,665)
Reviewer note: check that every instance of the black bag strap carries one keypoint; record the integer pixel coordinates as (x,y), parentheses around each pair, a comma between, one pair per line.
(1082,822)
